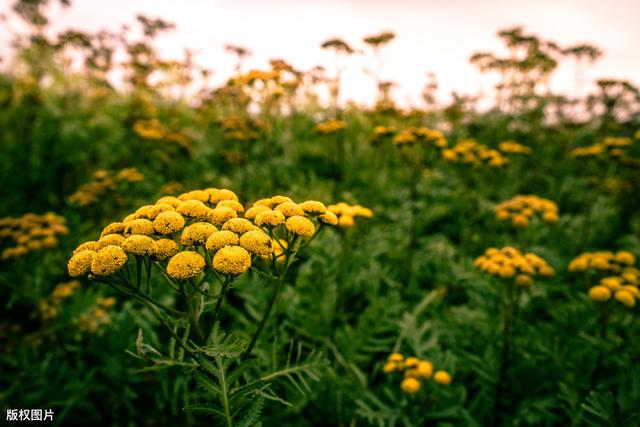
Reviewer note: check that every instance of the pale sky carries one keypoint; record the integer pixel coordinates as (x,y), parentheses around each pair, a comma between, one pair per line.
(432,35)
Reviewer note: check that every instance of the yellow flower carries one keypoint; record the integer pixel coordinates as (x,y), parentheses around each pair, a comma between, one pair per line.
(300,226)
(328,218)
(168,222)
(139,226)
(239,226)
(253,211)
(277,200)
(520,220)
(442,377)
(80,263)
(410,385)
(110,239)
(218,195)
(193,209)
(197,233)
(185,265)
(220,239)
(222,214)
(88,246)
(389,367)
(599,293)
(550,216)
(524,280)
(290,209)
(395,357)
(425,369)
(108,260)
(625,257)
(269,218)
(169,200)
(506,271)
(138,245)
(199,195)
(233,204)
(612,282)
(257,242)
(411,362)
(113,228)
(313,207)
(232,260)
(625,297)
(346,221)
(164,248)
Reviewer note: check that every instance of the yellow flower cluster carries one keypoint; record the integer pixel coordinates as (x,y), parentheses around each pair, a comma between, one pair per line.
(512,147)
(415,370)
(330,126)
(29,233)
(152,129)
(103,182)
(236,128)
(510,263)
(610,145)
(50,307)
(604,261)
(623,288)
(344,214)
(97,316)
(186,229)
(381,132)
(470,152)
(522,208)
(413,135)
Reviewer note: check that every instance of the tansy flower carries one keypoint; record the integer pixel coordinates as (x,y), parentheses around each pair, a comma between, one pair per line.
(239,226)
(257,242)
(138,245)
(220,239)
(233,204)
(80,263)
(199,195)
(169,200)
(88,246)
(164,248)
(222,214)
(193,209)
(110,239)
(424,369)
(625,297)
(524,280)
(442,377)
(253,211)
(313,207)
(346,221)
(269,218)
(300,226)
(168,222)
(599,293)
(290,209)
(185,265)
(197,233)
(139,226)
(232,260)
(108,260)
(625,257)
(113,228)
(328,218)
(277,200)
(410,385)
(218,195)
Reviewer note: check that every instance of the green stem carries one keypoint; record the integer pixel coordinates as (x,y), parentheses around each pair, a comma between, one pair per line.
(225,286)
(224,395)
(192,314)
(507,319)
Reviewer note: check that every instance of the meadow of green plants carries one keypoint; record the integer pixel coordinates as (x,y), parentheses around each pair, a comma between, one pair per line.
(258,253)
